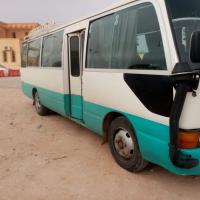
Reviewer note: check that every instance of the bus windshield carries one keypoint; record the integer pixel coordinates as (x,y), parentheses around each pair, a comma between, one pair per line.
(185,16)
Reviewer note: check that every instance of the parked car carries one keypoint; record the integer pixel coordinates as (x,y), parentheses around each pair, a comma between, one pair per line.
(4,69)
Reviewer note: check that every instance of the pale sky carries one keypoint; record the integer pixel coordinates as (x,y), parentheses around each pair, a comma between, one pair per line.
(47,10)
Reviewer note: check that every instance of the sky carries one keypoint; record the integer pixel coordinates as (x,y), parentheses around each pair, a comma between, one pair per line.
(43,11)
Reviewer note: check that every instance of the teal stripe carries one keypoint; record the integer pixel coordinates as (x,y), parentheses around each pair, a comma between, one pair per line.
(93,116)
(153,137)
(27,89)
(77,106)
(53,100)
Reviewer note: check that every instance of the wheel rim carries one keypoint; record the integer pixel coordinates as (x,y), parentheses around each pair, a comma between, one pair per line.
(124,144)
(37,102)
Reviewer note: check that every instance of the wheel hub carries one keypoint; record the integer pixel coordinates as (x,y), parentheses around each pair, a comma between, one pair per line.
(37,102)
(124,144)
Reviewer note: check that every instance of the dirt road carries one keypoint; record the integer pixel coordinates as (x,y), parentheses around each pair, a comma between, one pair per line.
(52,158)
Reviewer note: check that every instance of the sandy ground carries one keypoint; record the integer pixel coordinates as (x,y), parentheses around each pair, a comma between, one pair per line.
(52,158)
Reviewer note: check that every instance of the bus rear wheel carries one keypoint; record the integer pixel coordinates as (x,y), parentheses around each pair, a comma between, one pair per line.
(40,109)
(124,147)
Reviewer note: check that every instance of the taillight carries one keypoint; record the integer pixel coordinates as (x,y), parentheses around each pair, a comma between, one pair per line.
(188,140)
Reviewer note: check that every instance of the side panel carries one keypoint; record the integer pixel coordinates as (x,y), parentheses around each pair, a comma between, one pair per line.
(110,90)
(45,80)
(152,130)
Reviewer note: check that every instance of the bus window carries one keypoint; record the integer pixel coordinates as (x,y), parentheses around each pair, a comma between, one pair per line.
(24,56)
(149,40)
(100,43)
(75,56)
(34,53)
(52,50)
(124,52)
(137,42)
(127,40)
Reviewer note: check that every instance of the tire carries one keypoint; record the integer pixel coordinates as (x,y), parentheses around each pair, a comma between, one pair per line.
(40,109)
(124,147)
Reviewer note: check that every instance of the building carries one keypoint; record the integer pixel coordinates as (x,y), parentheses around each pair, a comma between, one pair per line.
(11,36)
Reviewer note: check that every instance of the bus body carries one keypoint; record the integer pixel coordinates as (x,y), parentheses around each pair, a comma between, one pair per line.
(120,64)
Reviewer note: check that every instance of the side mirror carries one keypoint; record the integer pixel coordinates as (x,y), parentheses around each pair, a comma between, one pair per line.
(195,47)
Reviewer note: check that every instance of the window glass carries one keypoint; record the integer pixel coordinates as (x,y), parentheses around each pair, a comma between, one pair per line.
(185,16)
(34,53)
(100,43)
(75,56)
(127,40)
(52,50)
(124,54)
(149,41)
(24,56)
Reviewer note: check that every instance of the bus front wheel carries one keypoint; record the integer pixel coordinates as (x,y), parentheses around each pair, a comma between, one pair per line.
(40,109)
(124,147)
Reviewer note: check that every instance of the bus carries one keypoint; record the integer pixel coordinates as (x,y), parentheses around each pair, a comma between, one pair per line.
(129,73)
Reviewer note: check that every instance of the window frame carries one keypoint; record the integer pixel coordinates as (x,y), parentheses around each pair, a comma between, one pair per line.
(164,35)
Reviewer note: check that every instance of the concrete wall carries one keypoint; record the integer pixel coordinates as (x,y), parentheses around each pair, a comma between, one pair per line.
(15,46)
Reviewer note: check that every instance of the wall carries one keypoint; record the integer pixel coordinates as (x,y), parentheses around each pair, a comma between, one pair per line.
(15,45)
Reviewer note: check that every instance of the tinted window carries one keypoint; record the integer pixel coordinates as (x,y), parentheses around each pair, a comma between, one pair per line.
(124,54)
(24,56)
(185,16)
(34,53)
(100,42)
(149,41)
(127,40)
(52,50)
(74,56)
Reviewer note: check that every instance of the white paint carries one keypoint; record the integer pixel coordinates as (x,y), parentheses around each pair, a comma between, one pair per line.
(48,78)
(110,90)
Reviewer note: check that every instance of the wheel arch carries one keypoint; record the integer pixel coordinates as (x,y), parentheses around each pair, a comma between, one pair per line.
(34,90)
(107,122)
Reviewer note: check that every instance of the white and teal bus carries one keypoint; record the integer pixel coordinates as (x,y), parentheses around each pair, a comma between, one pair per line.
(129,73)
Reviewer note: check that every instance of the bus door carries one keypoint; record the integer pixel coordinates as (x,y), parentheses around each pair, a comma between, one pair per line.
(76,43)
